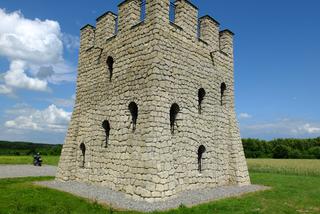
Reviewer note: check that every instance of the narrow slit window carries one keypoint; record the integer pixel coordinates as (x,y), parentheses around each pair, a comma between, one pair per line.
(174,110)
(201,95)
(133,108)
(106,127)
(110,63)
(83,154)
(223,88)
(201,150)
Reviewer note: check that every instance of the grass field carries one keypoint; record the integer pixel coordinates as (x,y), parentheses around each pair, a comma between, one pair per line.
(47,160)
(289,194)
(295,189)
(285,166)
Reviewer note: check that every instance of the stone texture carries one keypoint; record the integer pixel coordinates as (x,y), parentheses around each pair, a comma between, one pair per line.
(156,64)
(120,201)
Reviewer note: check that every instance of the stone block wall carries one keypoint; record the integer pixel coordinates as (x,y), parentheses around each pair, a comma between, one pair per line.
(182,134)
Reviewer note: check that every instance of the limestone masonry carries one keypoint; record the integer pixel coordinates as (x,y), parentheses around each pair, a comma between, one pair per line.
(154,112)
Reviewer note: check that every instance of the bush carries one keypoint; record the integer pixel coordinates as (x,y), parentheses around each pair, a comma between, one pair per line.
(315,151)
(295,154)
(281,152)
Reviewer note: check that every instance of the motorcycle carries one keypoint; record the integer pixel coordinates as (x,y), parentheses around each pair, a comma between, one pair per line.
(37,161)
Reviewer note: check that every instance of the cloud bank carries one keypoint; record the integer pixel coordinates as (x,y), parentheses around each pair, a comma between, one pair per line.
(34,49)
(282,128)
(51,119)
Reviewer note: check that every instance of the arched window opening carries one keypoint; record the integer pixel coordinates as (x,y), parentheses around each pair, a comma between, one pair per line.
(83,152)
(133,108)
(106,127)
(201,150)
(223,88)
(174,110)
(110,62)
(201,95)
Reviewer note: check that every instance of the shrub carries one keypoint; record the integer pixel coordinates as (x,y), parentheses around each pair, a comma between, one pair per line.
(281,152)
(315,151)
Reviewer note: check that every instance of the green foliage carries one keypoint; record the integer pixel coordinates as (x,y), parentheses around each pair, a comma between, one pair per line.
(282,148)
(315,151)
(281,152)
(27,148)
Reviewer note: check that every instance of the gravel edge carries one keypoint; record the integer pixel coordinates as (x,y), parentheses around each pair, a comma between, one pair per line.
(120,200)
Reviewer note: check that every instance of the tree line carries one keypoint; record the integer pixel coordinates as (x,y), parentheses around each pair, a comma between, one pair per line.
(27,148)
(253,148)
(282,148)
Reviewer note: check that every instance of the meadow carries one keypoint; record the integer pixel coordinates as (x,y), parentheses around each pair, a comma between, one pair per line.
(295,188)
(28,159)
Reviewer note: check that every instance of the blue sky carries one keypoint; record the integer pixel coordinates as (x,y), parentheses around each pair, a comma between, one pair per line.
(277,64)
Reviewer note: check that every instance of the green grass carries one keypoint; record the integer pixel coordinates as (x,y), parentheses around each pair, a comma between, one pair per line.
(47,160)
(299,193)
(285,166)
(289,194)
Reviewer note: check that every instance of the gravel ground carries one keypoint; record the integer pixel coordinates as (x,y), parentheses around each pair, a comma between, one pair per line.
(14,171)
(121,201)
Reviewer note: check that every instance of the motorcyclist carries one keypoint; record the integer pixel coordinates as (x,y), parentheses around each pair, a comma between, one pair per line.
(37,160)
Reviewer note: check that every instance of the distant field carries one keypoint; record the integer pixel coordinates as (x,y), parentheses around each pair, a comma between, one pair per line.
(285,166)
(47,160)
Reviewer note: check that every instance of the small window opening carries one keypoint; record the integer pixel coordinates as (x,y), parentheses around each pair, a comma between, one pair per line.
(134,114)
(174,110)
(223,88)
(201,95)
(201,150)
(83,152)
(143,10)
(110,66)
(106,127)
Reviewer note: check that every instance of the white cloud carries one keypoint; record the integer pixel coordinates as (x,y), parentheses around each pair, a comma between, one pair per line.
(71,42)
(34,41)
(5,90)
(310,129)
(51,119)
(45,72)
(244,116)
(31,46)
(281,128)
(64,102)
(16,78)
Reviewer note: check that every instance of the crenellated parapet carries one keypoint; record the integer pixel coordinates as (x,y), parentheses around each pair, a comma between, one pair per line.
(186,16)
(129,14)
(226,42)
(157,12)
(209,31)
(105,27)
(87,37)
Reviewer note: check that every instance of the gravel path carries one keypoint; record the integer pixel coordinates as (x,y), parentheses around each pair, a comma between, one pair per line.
(14,171)
(120,200)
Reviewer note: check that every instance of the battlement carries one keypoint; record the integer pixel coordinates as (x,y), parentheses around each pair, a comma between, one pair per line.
(158,13)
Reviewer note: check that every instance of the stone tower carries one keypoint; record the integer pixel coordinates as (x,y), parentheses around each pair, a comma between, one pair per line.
(154,112)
